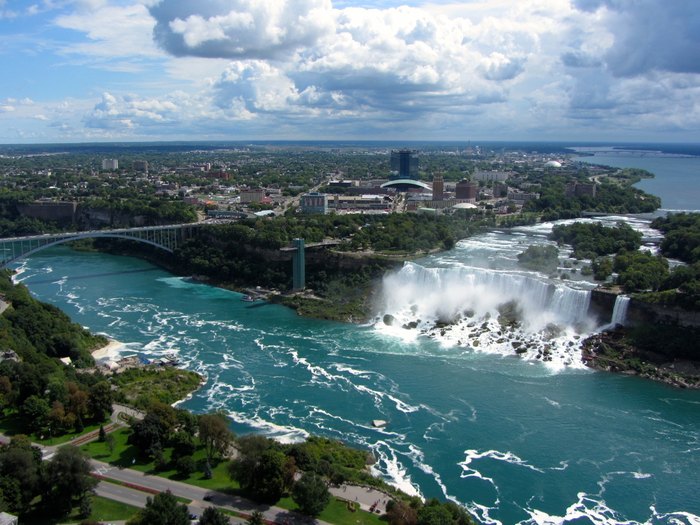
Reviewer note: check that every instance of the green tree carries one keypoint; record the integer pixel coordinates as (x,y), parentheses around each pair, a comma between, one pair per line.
(256,518)
(250,449)
(100,400)
(215,434)
(434,514)
(639,271)
(35,411)
(269,483)
(86,506)
(540,258)
(311,494)
(213,516)
(162,509)
(67,477)
(401,513)
(260,468)
(602,268)
(18,490)
(185,466)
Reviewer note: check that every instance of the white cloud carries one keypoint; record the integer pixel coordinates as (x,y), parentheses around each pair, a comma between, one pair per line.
(445,69)
(131,111)
(240,28)
(111,32)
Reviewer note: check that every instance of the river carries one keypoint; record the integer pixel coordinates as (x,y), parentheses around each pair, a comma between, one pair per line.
(676,177)
(514,439)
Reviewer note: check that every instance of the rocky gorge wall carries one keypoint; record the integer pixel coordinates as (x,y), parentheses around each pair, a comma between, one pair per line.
(640,312)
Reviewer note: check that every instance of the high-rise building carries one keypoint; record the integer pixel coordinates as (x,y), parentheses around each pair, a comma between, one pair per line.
(314,202)
(404,164)
(467,190)
(141,165)
(252,195)
(438,187)
(110,164)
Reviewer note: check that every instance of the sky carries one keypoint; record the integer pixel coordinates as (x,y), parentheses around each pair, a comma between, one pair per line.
(146,70)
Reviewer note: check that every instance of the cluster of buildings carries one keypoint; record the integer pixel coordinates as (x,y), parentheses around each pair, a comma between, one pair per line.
(486,187)
(495,188)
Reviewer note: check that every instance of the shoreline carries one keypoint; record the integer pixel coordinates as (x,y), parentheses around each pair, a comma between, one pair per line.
(608,351)
(109,350)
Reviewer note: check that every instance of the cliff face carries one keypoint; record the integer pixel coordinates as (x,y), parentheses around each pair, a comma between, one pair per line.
(658,341)
(641,312)
(602,305)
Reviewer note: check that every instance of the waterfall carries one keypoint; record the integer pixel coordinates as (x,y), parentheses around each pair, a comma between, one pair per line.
(570,305)
(419,293)
(619,313)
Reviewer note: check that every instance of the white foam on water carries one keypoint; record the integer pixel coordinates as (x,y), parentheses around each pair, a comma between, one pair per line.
(389,468)
(595,510)
(361,373)
(281,433)
(482,512)
(418,458)
(470,471)
(379,396)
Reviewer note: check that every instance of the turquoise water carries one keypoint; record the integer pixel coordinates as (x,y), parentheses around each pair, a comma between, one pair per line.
(676,181)
(514,440)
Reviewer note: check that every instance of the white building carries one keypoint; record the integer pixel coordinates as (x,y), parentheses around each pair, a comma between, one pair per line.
(110,164)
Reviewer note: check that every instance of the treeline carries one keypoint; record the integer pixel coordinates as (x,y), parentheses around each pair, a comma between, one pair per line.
(681,236)
(36,330)
(591,240)
(41,397)
(44,491)
(554,204)
(38,394)
(266,471)
(616,249)
(396,232)
(149,211)
(130,208)
(232,253)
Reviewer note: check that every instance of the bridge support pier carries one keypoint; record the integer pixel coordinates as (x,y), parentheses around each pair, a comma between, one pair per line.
(298,266)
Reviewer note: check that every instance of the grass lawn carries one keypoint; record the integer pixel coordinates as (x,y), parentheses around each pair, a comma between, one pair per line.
(125,455)
(103,509)
(11,425)
(337,513)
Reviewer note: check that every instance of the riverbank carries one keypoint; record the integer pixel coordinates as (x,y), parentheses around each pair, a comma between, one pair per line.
(109,351)
(614,351)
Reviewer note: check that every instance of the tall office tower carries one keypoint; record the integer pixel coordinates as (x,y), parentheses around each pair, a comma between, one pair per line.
(438,187)
(404,163)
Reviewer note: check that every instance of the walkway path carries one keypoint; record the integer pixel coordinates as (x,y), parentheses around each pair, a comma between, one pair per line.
(369,499)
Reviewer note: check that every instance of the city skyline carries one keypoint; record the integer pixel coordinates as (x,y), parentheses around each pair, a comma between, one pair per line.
(144,70)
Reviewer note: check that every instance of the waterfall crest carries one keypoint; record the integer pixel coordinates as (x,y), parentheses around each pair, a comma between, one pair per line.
(502,311)
(444,294)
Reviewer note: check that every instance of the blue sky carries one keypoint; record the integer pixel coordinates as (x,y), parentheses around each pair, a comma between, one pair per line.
(98,70)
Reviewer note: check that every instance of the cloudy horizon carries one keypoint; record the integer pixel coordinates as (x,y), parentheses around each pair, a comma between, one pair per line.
(145,70)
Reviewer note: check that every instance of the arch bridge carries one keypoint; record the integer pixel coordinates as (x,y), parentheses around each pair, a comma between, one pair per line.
(167,238)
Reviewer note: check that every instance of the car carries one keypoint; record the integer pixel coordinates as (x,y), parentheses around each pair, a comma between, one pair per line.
(193,516)
(207,497)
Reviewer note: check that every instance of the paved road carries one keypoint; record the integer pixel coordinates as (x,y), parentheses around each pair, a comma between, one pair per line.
(138,498)
(197,494)
(369,499)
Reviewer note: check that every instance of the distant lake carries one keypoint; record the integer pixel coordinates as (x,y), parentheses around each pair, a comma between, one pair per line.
(677,177)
